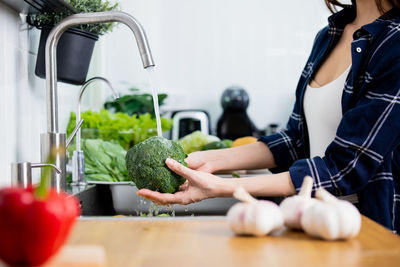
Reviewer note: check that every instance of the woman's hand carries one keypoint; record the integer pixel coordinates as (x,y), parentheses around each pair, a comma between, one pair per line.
(199,185)
(200,161)
(252,156)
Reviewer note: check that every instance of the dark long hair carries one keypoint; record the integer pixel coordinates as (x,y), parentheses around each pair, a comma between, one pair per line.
(333,4)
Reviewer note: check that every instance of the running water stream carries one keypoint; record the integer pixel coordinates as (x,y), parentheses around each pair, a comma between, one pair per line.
(154,88)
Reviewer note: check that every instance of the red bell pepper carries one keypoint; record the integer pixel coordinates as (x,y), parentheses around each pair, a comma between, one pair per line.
(34,223)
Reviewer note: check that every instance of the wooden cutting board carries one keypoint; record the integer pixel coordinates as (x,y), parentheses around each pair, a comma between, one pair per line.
(204,241)
(79,256)
(208,242)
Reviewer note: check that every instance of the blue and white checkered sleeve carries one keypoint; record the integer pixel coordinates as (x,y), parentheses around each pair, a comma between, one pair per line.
(285,145)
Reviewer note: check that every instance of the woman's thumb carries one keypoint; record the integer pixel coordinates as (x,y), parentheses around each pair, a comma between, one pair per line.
(180,169)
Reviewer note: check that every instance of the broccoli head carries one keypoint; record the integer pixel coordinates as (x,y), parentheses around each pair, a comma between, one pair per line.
(146,164)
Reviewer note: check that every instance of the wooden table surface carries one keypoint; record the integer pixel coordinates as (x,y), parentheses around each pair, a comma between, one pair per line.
(209,242)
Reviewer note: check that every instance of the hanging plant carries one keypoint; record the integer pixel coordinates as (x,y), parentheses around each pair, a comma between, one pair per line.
(75,47)
(49,19)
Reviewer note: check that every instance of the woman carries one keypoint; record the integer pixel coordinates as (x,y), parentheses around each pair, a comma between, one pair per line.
(344,130)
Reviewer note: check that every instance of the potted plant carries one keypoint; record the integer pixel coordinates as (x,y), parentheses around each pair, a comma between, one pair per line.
(75,47)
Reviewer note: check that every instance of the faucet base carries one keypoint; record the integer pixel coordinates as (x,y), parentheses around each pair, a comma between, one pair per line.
(55,143)
(78,168)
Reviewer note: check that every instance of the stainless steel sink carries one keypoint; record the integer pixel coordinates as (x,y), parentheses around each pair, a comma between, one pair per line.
(126,201)
(104,199)
(120,198)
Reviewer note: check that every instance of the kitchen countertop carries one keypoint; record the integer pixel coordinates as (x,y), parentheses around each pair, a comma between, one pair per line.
(207,241)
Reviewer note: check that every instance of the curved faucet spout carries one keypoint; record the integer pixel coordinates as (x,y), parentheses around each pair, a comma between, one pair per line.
(78,110)
(78,158)
(51,49)
(53,140)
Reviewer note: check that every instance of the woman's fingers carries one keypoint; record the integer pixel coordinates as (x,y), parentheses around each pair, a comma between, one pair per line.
(190,163)
(180,169)
(160,198)
(204,168)
(180,197)
(194,163)
(184,186)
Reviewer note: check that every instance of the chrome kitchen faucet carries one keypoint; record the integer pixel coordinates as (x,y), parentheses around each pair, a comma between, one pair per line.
(53,140)
(78,158)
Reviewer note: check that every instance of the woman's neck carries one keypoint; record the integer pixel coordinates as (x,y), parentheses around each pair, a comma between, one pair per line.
(368,11)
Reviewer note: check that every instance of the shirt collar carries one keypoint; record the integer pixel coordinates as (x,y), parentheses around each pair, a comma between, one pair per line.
(376,27)
(392,14)
(339,20)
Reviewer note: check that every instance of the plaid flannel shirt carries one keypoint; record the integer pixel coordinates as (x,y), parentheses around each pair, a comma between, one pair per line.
(364,157)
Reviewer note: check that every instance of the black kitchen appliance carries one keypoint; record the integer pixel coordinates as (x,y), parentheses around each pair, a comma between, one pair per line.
(234,121)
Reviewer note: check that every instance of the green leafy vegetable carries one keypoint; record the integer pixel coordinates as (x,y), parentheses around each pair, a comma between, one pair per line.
(151,215)
(164,215)
(134,103)
(104,161)
(196,141)
(126,130)
(146,164)
(228,142)
(215,145)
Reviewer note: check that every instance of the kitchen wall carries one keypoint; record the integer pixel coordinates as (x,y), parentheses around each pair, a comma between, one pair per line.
(199,47)
(202,47)
(8,61)
(22,101)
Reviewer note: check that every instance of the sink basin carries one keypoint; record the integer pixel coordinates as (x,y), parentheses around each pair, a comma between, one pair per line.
(126,201)
(102,199)
(120,198)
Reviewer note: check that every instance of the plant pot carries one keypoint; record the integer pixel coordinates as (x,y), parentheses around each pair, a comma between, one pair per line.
(74,51)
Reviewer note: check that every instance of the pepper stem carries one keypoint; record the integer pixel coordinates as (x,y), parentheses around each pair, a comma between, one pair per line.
(42,190)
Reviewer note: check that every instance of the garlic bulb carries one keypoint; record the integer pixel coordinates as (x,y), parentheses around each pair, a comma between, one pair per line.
(253,217)
(330,218)
(293,207)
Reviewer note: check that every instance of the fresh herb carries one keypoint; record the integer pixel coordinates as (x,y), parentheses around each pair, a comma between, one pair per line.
(126,130)
(49,19)
(134,103)
(235,175)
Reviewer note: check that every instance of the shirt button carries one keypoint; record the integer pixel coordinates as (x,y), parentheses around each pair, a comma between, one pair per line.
(358,49)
